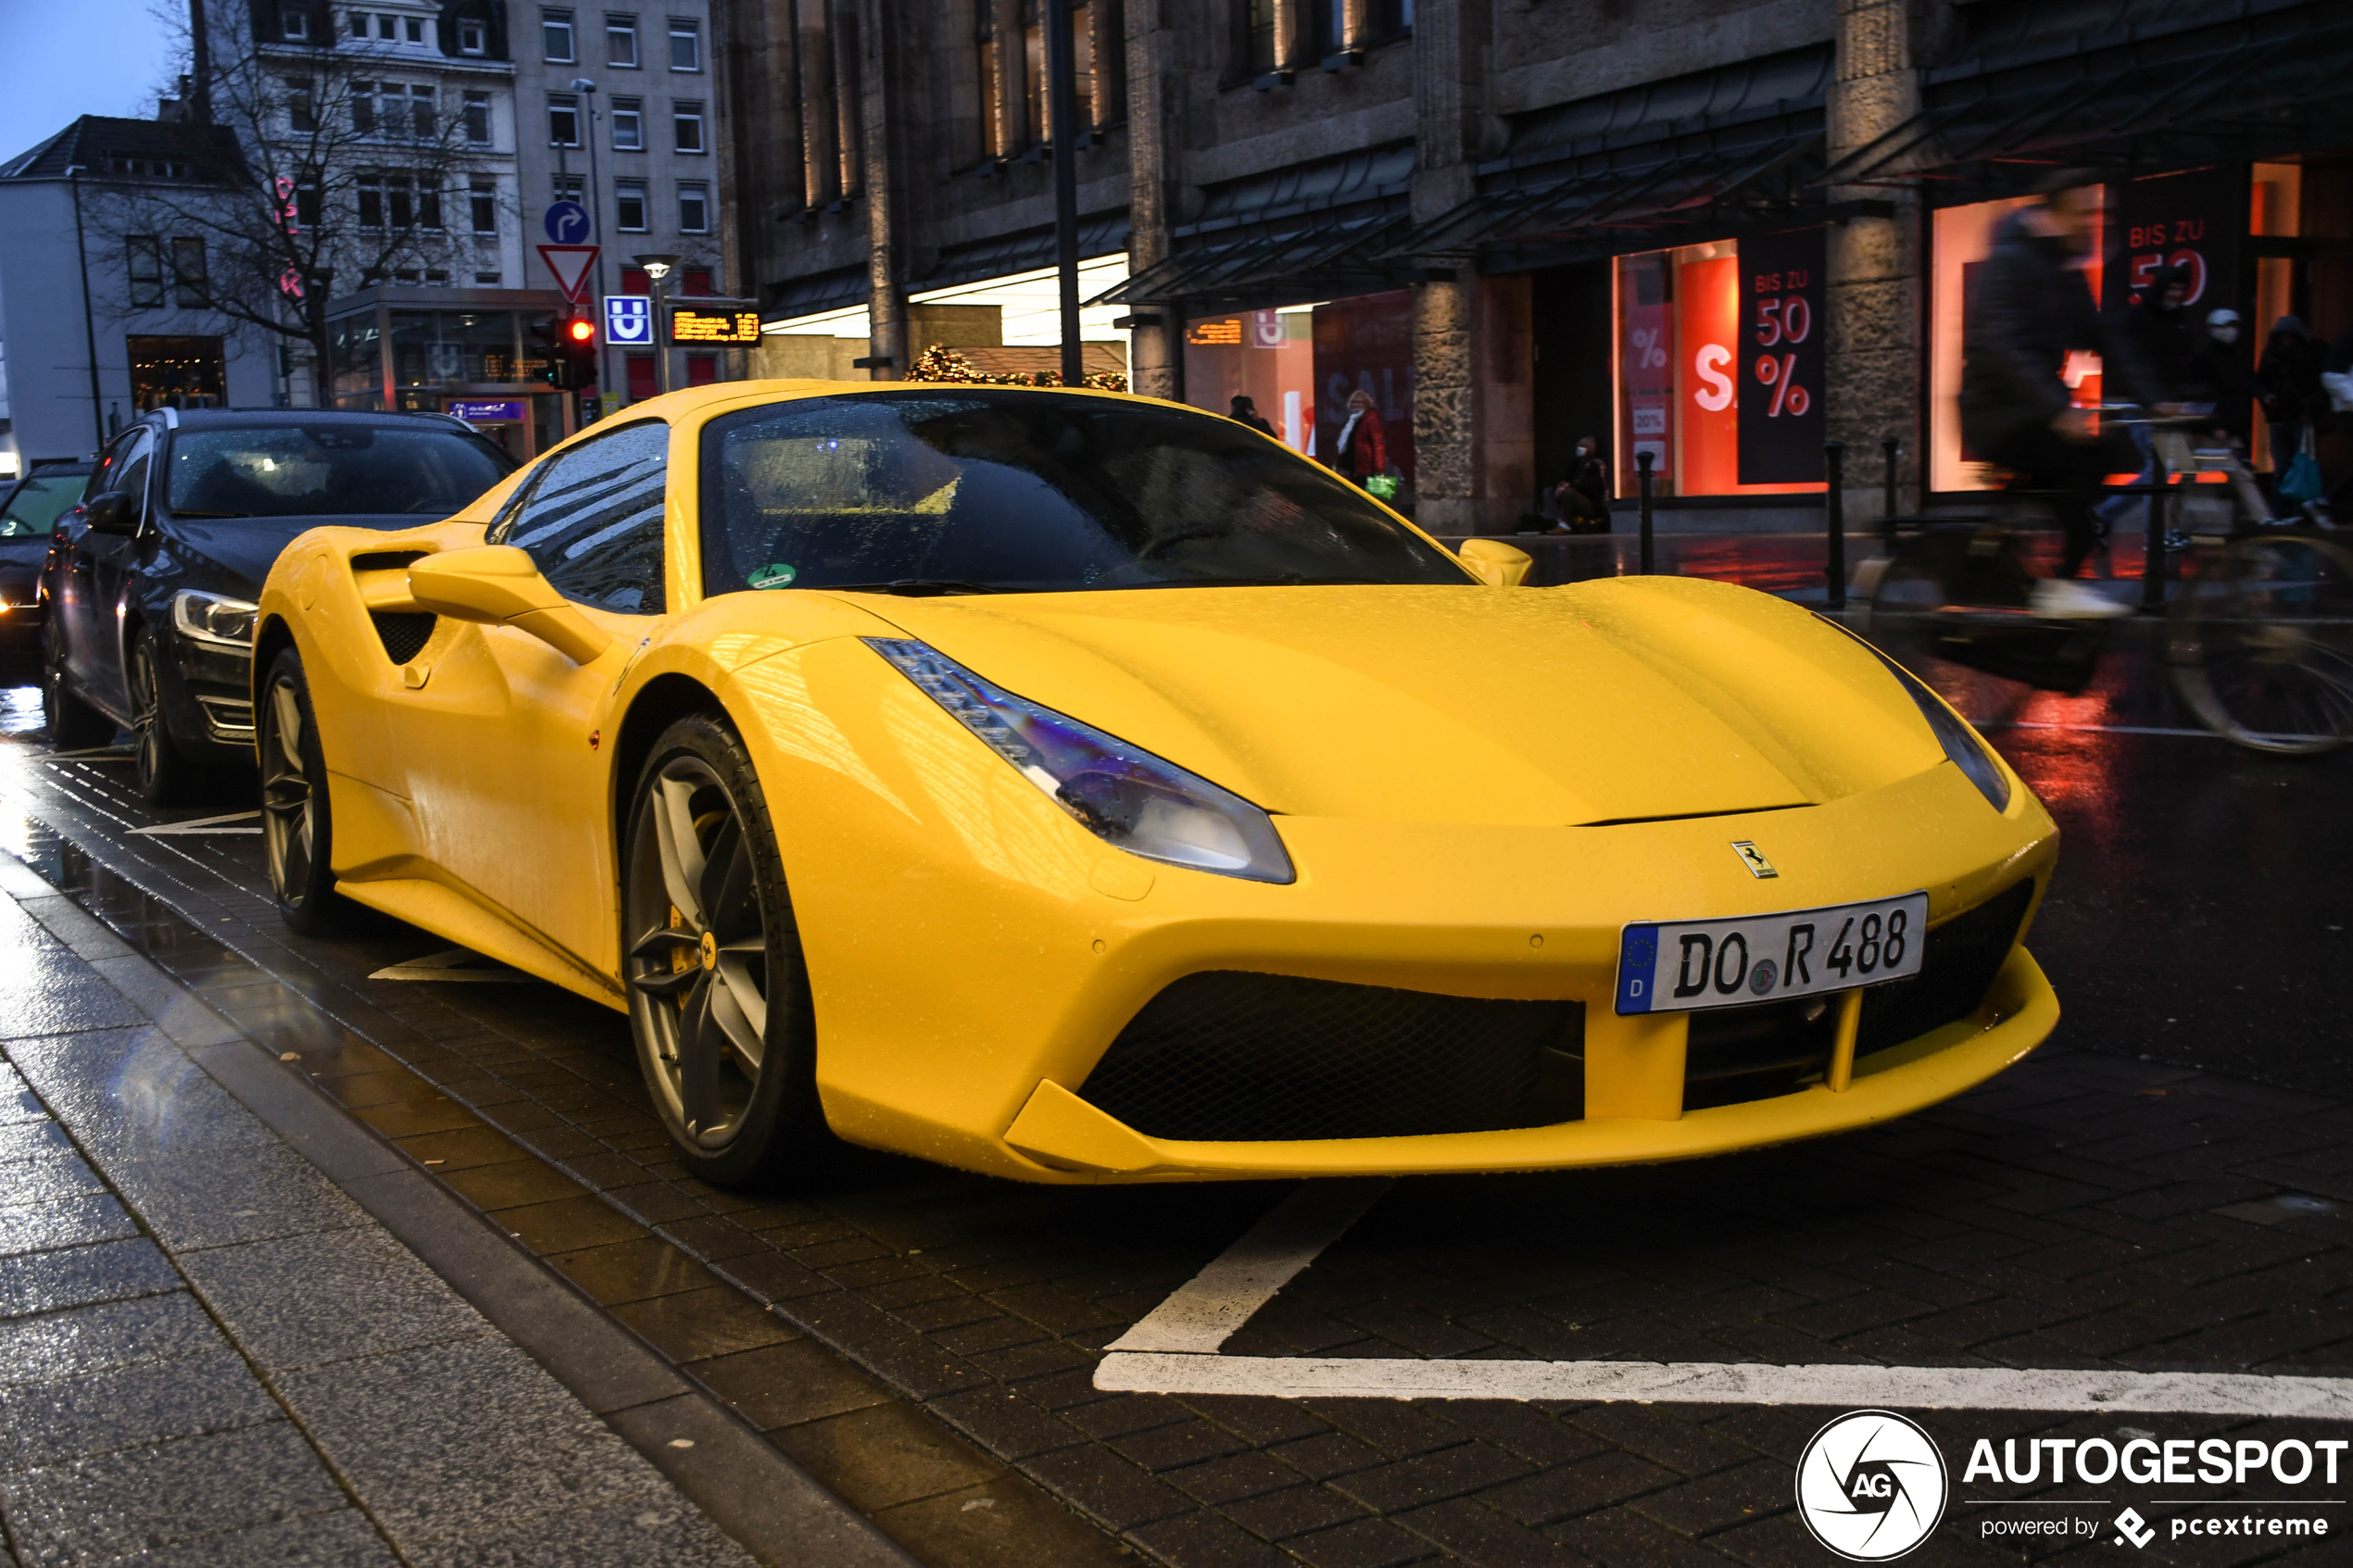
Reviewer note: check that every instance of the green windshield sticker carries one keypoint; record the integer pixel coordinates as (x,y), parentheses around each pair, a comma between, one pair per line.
(776,576)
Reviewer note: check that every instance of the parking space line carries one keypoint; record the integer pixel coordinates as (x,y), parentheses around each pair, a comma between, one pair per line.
(1207,1310)
(1710,1383)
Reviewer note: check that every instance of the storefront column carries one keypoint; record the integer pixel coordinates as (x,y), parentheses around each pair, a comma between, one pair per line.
(814,59)
(1474,438)
(886,335)
(1875,347)
(1153,357)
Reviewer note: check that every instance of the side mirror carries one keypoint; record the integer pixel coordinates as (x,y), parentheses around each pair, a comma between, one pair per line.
(499,585)
(113,512)
(1495,563)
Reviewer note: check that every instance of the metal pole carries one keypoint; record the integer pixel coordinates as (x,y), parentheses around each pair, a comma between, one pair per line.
(89,328)
(1062,104)
(1642,461)
(2153,565)
(662,321)
(1834,470)
(1890,449)
(596,238)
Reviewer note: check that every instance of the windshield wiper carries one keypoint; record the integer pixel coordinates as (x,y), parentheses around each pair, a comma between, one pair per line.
(914,585)
(178,512)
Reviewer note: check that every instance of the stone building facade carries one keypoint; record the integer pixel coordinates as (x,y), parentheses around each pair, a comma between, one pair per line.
(1717,232)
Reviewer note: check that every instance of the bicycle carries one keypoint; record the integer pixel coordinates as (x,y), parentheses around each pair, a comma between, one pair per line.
(2259,638)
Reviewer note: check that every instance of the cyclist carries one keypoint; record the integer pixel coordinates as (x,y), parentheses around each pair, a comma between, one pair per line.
(2030,309)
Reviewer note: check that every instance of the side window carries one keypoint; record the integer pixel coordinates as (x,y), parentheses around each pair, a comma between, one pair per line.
(594,520)
(131,476)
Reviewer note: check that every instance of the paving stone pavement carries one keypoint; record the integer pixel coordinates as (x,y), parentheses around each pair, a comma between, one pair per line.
(209,1355)
(2082,1210)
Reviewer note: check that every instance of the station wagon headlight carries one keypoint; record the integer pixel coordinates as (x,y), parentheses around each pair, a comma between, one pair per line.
(1122,794)
(214,618)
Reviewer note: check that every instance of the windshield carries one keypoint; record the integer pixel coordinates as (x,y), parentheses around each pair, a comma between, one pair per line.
(330,469)
(986,490)
(34,509)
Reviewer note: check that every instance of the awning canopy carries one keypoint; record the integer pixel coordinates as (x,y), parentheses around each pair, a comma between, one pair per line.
(2273,78)
(1314,230)
(1718,151)
(1004,255)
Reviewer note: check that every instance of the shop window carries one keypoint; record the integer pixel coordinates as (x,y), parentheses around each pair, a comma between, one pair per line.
(1301,368)
(1718,365)
(178,372)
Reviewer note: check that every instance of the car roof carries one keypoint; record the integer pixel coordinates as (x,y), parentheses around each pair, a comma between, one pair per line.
(265,418)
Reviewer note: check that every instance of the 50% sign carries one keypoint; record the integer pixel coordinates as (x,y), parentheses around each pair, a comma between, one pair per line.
(1778,321)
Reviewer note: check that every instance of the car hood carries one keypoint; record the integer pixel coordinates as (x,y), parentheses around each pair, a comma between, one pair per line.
(244,547)
(1621,700)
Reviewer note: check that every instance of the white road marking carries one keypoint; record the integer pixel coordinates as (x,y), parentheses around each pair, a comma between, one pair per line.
(202,824)
(1214,1303)
(453,964)
(1710,1383)
(1173,1349)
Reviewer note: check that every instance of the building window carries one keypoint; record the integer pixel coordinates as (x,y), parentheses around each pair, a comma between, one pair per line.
(702,369)
(307,205)
(403,203)
(992,142)
(478,118)
(302,112)
(621,41)
(1325,25)
(415,31)
(686,124)
(568,188)
(192,283)
(641,376)
(555,35)
(698,282)
(388,28)
(694,208)
(147,270)
(423,113)
(358,24)
(685,44)
(486,280)
(1040,78)
(628,125)
(429,204)
(372,201)
(629,206)
(563,119)
(293,24)
(1263,45)
(482,199)
(473,39)
(363,108)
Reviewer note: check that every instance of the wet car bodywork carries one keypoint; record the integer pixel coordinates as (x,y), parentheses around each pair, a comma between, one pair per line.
(30,512)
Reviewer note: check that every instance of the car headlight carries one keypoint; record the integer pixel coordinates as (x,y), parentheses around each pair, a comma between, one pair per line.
(1962,747)
(214,618)
(1122,794)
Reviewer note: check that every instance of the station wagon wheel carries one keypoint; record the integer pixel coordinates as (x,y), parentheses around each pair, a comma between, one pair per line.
(158,768)
(297,831)
(718,993)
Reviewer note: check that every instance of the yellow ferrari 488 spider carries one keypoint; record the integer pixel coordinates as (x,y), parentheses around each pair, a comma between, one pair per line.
(1079,787)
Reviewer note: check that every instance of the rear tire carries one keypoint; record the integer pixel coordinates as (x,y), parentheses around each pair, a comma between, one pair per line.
(163,774)
(74,726)
(719,998)
(298,832)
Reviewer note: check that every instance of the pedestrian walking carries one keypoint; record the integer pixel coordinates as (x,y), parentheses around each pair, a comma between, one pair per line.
(2296,406)
(1246,410)
(2030,309)
(2220,373)
(1362,451)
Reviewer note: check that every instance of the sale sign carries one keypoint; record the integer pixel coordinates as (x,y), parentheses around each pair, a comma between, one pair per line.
(1778,362)
(2193,222)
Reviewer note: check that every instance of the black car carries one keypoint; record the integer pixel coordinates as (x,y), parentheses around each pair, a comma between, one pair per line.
(28,514)
(151,580)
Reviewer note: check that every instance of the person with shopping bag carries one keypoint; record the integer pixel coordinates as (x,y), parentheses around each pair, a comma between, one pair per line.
(1362,451)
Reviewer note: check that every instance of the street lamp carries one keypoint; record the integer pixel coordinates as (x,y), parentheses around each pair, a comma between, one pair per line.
(587,91)
(657,268)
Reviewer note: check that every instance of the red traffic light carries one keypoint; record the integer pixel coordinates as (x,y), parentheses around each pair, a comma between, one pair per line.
(580,330)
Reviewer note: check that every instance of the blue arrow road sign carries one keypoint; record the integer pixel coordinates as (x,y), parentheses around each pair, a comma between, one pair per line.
(629,318)
(566,223)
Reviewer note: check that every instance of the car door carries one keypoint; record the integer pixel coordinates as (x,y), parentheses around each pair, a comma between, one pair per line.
(98,568)
(501,742)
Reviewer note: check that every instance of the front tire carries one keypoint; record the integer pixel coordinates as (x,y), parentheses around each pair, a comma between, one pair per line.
(719,996)
(74,726)
(298,834)
(162,773)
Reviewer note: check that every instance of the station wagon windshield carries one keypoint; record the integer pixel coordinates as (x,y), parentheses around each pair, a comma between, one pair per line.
(986,491)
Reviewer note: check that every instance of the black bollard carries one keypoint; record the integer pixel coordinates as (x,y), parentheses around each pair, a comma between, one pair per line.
(2152,568)
(1890,449)
(1642,461)
(1834,506)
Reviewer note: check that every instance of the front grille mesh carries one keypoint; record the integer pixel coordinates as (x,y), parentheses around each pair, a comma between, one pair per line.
(403,634)
(1957,968)
(1233,1057)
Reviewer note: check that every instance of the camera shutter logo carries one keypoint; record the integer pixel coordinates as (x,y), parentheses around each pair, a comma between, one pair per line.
(1871,1486)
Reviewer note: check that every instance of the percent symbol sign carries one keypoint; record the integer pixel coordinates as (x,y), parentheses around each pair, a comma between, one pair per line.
(1780,373)
(1649,356)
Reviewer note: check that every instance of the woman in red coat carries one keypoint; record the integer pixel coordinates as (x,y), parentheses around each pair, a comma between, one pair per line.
(1362,450)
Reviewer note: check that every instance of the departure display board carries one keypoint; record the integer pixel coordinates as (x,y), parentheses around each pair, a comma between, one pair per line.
(707,324)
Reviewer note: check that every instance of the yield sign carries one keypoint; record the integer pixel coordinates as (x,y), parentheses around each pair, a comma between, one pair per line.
(570,264)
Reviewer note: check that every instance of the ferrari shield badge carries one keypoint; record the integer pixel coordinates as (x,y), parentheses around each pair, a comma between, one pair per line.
(1754,859)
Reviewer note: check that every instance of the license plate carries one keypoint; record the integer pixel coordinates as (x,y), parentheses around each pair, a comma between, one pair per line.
(1676,966)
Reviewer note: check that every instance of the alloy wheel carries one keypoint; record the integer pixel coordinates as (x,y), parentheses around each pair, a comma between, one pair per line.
(147,738)
(697,956)
(285,795)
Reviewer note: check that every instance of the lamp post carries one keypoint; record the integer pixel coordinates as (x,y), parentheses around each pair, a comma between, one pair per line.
(587,91)
(657,270)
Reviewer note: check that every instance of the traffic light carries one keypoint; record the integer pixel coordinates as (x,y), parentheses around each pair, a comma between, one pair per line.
(543,360)
(578,348)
